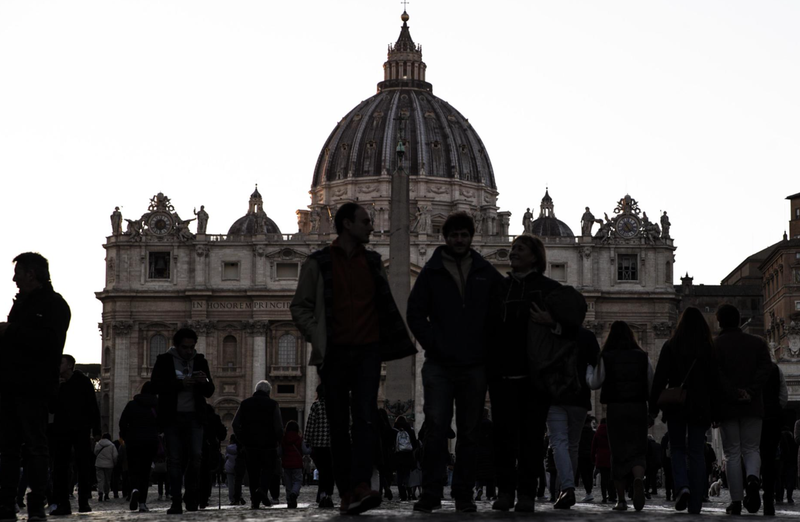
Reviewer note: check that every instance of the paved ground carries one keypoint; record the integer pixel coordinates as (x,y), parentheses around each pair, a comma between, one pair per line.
(657,509)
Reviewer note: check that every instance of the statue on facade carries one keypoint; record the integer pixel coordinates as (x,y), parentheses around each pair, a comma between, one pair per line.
(606,229)
(419,217)
(182,228)
(116,222)
(478,217)
(665,224)
(527,221)
(315,219)
(587,220)
(202,219)
(134,231)
(371,212)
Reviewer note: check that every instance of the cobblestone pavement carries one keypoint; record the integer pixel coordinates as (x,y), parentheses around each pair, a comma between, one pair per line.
(656,509)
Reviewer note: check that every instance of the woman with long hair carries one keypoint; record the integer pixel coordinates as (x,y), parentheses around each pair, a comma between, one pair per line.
(625,375)
(687,359)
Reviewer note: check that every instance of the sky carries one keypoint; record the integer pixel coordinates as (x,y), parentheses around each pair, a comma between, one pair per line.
(689,106)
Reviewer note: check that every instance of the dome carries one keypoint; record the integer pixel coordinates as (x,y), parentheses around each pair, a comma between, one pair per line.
(547,225)
(439,141)
(255,221)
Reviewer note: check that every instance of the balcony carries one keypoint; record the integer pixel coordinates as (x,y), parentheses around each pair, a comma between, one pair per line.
(286,372)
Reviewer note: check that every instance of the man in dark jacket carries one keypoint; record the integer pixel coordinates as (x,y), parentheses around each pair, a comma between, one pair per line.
(344,307)
(744,365)
(448,313)
(31,343)
(182,381)
(77,417)
(138,427)
(259,428)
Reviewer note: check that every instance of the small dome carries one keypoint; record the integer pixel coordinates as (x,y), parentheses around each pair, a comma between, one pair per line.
(248,225)
(550,227)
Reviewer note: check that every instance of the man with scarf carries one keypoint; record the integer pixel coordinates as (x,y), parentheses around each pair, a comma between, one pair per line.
(182,380)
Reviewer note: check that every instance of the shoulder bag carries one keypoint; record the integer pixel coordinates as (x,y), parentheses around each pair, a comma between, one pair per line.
(675,398)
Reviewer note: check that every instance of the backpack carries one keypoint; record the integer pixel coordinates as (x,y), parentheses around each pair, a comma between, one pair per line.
(403,442)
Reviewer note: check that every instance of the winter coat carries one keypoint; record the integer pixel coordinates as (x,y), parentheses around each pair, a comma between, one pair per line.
(744,363)
(106,454)
(626,376)
(701,385)
(231,452)
(167,386)
(30,349)
(454,330)
(292,450)
(312,307)
(510,355)
(318,432)
(139,421)
(76,406)
(258,422)
(601,450)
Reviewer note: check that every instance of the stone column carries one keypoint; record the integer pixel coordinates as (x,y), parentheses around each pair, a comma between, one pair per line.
(121,387)
(259,354)
(201,266)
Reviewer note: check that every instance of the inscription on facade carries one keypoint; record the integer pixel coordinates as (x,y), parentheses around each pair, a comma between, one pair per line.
(241,305)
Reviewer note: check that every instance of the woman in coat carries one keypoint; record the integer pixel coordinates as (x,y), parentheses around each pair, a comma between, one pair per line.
(625,375)
(687,357)
(106,456)
(231,454)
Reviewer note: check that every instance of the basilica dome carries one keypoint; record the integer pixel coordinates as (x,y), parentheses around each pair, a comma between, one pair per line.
(547,225)
(439,141)
(255,221)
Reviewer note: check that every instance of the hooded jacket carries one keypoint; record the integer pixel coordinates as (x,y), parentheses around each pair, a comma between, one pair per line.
(168,386)
(76,407)
(454,330)
(292,450)
(139,421)
(106,454)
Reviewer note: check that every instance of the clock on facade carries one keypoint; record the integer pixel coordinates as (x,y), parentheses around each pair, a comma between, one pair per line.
(627,226)
(159,223)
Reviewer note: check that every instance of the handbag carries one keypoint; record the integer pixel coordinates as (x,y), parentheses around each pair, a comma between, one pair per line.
(674,398)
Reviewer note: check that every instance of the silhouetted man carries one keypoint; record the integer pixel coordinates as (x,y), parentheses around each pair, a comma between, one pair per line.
(344,307)
(31,343)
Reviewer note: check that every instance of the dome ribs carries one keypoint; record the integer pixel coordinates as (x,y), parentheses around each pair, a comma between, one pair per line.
(359,143)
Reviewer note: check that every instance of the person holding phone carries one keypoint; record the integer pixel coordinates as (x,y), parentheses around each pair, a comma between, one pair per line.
(183,382)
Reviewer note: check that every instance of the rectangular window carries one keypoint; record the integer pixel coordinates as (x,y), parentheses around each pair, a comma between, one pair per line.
(158,265)
(796,275)
(627,267)
(230,271)
(286,270)
(797,305)
(558,272)
(286,389)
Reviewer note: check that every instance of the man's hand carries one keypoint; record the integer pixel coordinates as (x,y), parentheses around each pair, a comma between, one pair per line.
(541,316)
(3,327)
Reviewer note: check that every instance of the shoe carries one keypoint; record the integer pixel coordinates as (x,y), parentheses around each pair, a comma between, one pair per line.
(61,511)
(143,508)
(427,503)
(134,500)
(682,500)
(387,494)
(752,494)
(465,505)
(8,515)
(504,502)
(176,509)
(242,502)
(291,501)
(669,498)
(604,501)
(769,507)
(621,505)
(647,496)
(363,499)
(565,500)
(326,503)
(734,508)
(525,504)
(84,508)
(638,494)
(478,495)
(588,498)
(37,516)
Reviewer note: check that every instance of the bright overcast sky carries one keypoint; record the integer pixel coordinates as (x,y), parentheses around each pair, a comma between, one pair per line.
(689,106)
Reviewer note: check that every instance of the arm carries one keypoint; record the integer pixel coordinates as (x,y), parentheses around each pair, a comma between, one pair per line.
(123,423)
(304,302)
(598,376)
(237,423)
(417,311)
(660,378)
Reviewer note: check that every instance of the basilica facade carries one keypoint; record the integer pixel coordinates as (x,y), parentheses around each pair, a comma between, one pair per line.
(234,288)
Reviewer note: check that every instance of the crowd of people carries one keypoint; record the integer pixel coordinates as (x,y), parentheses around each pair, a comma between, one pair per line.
(520,339)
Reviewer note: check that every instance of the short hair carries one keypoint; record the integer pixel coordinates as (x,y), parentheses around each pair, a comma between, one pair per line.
(263,386)
(292,426)
(37,263)
(148,388)
(69,359)
(320,390)
(536,245)
(458,221)
(107,436)
(728,316)
(346,211)
(183,333)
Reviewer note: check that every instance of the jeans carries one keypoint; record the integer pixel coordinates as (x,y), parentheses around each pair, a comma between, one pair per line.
(466,385)
(184,439)
(351,375)
(564,426)
(687,445)
(292,480)
(64,442)
(741,438)
(519,424)
(140,460)
(24,421)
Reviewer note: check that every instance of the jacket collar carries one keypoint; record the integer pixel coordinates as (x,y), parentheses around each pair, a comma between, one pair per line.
(436,261)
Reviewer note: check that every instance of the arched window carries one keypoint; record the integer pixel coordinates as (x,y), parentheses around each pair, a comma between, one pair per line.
(287,350)
(229,351)
(107,357)
(158,345)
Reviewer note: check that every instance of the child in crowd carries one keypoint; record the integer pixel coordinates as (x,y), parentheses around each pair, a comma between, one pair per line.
(292,450)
